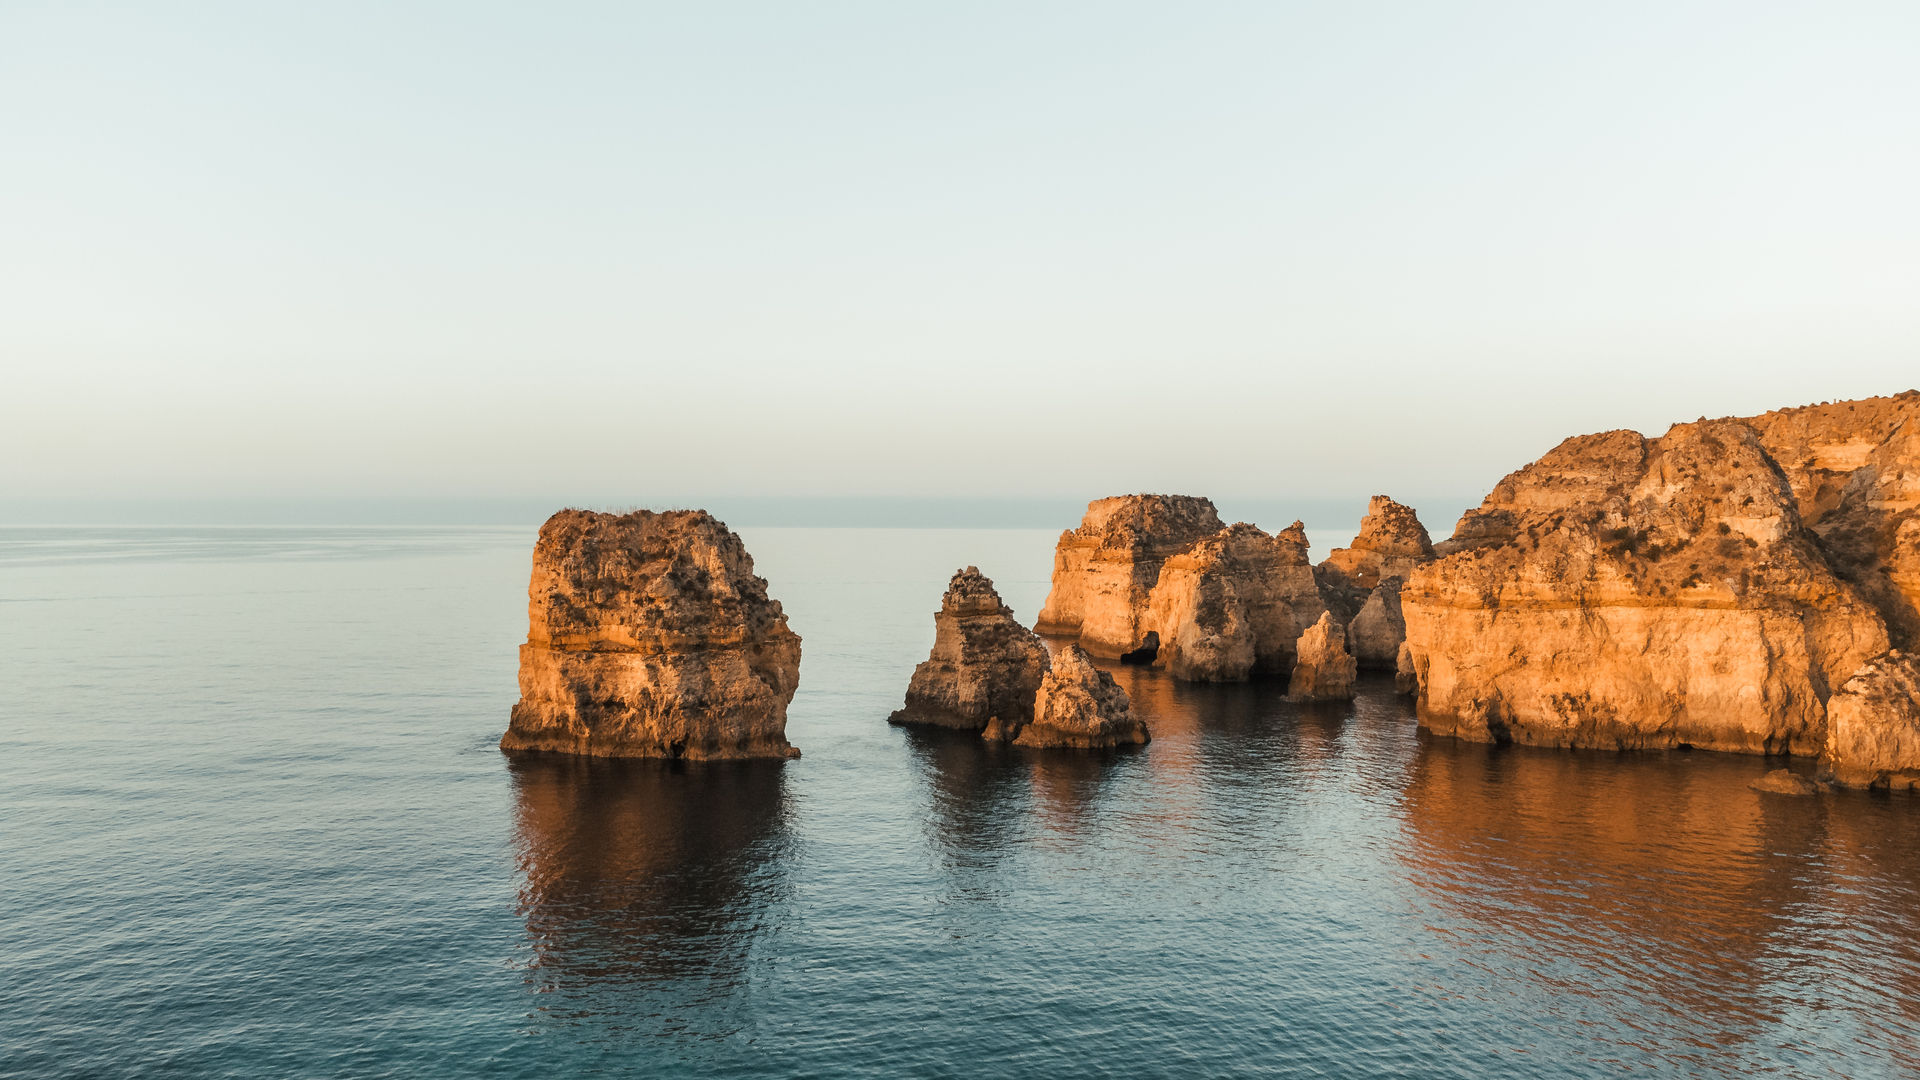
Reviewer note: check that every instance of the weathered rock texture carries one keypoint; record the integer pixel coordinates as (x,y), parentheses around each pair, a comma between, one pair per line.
(1633,592)
(1854,467)
(1325,670)
(1103,570)
(1785,782)
(650,636)
(1156,579)
(1873,725)
(1231,605)
(1079,706)
(1361,583)
(984,664)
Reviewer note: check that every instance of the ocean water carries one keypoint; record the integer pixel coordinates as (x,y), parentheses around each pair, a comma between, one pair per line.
(253,823)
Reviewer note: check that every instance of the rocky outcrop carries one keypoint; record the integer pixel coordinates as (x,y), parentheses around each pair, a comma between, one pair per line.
(1873,725)
(984,664)
(1361,583)
(1785,782)
(1325,670)
(1633,592)
(1103,570)
(1231,605)
(650,636)
(1155,579)
(1854,467)
(1077,706)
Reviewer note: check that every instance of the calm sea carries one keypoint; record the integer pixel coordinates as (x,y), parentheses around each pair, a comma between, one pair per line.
(253,824)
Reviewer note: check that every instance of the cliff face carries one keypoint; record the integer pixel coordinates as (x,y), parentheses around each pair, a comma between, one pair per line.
(1231,605)
(649,636)
(1080,706)
(1361,583)
(1854,467)
(1627,592)
(1103,570)
(984,664)
(1157,579)
(1873,725)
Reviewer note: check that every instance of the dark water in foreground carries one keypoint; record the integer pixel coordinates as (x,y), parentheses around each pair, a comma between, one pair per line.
(252,823)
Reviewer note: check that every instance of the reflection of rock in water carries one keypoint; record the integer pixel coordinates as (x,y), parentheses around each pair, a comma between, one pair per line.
(1645,884)
(642,871)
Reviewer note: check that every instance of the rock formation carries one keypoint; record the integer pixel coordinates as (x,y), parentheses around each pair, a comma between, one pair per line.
(984,664)
(1361,583)
(1873,725)
(1633,592)
(1078,706)
(1325,670)
(1854,467)
(1785,782)
(1231,605)
(1103,570)
(1156,579)
(650,636)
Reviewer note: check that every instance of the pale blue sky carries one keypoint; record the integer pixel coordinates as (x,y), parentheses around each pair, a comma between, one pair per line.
(1021,249)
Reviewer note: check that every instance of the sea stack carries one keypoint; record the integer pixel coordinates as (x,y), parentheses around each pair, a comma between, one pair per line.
(1156,579)
(1632,592)
(650,636)
(984,664)
(1103,570)
(1325,670)
(1361,583)
(1078,706)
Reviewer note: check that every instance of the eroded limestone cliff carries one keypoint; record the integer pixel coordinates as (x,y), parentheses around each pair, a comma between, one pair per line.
(984,664)
(1633,592)
(1873,724)
(1156,579)
(650,636)
(1103,570)
(1361,583)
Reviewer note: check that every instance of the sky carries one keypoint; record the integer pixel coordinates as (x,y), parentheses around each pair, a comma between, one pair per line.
(1025,249)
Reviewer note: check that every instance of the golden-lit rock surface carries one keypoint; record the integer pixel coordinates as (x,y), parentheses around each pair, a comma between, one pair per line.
(1080,706)
(650,636)
(1633,592)
(1391,542)
(1873,725)
(1324,670)
(1854,467)
(1157,579)
(1231,605)
(1361,583)
(1103,570)
(984,664)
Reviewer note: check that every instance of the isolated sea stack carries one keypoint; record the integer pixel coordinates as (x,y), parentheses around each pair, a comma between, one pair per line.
(1361,583)
(1714,587)
(1077,706)
(1156,579)
(650,636)
(1325,670)
(984,664)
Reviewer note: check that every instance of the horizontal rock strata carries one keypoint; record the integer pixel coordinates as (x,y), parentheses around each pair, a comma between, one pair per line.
(1633,592)
(650,636)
